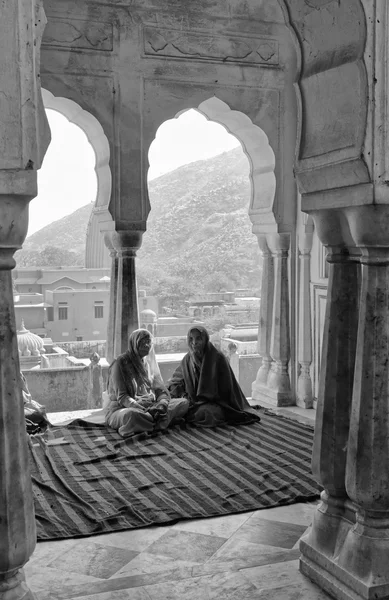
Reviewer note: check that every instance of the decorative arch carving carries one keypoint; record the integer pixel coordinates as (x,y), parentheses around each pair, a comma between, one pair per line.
(100,219)
(256,147)
(96,137)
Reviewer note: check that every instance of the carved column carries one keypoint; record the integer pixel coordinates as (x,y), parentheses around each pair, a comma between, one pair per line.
(334,405)
(365,552)
(265,317)
(112,298)
(24,137)
(278,380)
(304,385)
(126,243)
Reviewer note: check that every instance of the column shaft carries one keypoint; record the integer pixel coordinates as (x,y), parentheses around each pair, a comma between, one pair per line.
(365,552)
(278,380)
(265,311)
(110,344)
(127,314)
(304,385)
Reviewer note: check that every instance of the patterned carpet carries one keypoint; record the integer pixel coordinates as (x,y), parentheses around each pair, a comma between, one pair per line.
(87,480)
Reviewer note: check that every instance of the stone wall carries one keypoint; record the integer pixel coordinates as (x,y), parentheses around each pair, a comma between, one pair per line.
(67,389)
(61,389)
(83,349)
(170,345)
(249,365)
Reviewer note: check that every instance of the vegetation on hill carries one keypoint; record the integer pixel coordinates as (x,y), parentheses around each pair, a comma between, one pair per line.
(198,236)
(61,243)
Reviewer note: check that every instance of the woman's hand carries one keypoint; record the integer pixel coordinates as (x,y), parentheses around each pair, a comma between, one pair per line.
(138,406)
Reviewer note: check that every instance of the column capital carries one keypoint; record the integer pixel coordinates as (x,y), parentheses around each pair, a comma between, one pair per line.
(262,243)
(14,224)
(305,241)
(278,243)
(126,240)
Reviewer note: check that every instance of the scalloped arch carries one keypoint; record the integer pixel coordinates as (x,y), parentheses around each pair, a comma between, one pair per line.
(256,147)
(96,137)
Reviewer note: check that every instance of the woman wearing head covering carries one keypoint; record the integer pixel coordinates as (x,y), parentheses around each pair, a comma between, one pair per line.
(139,400)
(207,380)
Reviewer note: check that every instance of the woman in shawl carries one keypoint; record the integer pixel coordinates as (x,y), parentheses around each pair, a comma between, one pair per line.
(207,380)
(139,400)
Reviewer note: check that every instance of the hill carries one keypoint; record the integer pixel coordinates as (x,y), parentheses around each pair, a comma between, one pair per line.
(61,243)
(198,234)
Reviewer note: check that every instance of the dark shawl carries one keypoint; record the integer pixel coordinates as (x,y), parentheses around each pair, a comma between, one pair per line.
(213,382)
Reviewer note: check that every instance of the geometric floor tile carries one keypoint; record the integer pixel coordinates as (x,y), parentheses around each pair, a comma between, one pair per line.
(93,559)
(300,514)
(271,533)
(223,586)
(184,545)
(217,526)
(151,563)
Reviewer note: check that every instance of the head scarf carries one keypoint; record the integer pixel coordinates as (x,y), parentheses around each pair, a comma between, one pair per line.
(132,365)
(145,371)
(195,360)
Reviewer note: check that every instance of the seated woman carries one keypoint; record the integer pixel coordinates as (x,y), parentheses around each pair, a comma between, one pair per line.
(34,413)
(139,400)
(207,380)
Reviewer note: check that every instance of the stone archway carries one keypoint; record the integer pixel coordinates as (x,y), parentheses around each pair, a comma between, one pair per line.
(273,381)
(256,147)
(96,252)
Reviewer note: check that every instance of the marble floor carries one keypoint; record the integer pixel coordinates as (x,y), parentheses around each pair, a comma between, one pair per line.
(247,556)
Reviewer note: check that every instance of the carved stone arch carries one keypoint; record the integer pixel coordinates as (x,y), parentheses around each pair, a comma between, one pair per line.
(258,150)
(95,248)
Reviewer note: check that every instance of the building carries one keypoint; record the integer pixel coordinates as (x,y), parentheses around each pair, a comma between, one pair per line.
(77,315)
(34,280)
(303,85)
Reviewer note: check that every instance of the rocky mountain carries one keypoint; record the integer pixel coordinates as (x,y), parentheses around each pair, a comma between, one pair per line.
(198,234)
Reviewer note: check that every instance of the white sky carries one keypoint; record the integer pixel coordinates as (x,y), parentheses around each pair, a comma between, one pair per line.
(67,178)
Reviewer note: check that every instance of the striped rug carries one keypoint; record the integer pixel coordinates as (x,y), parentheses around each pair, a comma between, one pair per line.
(88,480)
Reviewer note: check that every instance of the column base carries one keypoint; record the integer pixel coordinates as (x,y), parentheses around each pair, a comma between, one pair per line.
(15,588)
(350,573)
(277,399)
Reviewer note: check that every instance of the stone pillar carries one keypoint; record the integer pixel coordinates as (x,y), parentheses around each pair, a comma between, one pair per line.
(265,318)
(126,243)
(24,137)
(112,298)
(304,385)
(333,409)
(365,551)
(278,381)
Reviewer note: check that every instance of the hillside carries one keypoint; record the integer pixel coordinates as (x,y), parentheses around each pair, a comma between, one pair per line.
(67,235)
(198,234)
(198,230)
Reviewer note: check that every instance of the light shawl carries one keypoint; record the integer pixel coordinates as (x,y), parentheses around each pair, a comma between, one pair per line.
(140,373)
(211,380)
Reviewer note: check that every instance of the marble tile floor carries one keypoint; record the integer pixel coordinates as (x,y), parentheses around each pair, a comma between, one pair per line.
(248,556)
